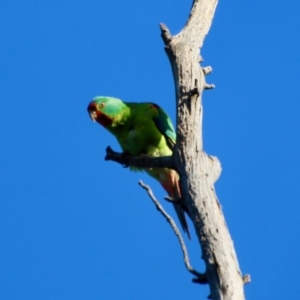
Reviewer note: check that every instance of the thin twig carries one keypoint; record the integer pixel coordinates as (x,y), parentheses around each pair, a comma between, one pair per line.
(201,277)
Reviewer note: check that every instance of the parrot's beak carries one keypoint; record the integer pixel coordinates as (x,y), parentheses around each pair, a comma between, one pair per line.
(92,111)
(93,115)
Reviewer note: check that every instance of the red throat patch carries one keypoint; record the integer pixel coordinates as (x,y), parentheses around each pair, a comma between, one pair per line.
(98,115)
(103,119)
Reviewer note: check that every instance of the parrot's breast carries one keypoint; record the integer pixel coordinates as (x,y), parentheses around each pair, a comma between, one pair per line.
(131,133)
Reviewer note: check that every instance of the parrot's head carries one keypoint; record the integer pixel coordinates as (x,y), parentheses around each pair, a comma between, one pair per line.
(105,110)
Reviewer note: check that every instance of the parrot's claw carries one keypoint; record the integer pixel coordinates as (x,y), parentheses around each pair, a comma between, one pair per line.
(178,201)
(172,200)
(125,155)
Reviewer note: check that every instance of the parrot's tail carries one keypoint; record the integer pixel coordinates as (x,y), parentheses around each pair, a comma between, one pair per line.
(171,185)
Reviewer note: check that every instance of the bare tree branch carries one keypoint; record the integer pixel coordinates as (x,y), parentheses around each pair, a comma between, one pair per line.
(127,160)
(201,277)
(139,161)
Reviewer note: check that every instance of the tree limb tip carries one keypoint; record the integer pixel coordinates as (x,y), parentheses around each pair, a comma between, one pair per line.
(246,278)
(165,33)
(110,154)
(209,86)
(216,167)
(207,70)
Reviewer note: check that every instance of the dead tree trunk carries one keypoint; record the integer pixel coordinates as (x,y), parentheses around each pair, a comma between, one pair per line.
(197,170)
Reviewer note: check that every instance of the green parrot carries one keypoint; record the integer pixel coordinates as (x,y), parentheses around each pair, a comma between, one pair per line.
(142,129)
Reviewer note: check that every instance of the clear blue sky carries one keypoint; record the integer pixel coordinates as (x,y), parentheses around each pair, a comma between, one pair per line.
(73,226)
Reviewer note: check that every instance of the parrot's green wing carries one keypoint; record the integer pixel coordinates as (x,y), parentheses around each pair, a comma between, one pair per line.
(165,126)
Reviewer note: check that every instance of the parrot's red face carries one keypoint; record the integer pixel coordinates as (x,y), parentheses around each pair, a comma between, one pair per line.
(95,110)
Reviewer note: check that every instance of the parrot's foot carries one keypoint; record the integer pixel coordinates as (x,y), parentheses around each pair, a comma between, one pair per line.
(125,156)
(118,157)
(173,200)
(178,201)
(201,278)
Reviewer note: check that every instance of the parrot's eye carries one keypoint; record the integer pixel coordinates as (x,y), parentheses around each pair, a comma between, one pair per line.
(101,105)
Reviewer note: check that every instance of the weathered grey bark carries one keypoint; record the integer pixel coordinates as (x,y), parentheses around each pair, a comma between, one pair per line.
(198,171)
(193,164)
